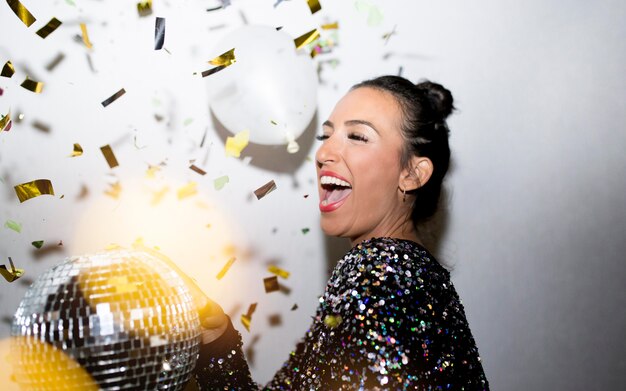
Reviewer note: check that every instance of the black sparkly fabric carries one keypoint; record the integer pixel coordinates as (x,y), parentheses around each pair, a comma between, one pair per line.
(389,319)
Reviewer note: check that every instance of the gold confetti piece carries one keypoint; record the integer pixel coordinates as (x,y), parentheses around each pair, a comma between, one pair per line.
(113,97)
(151,171)
(32,85)
(8,69)
(159,33)
(78,150)
(187,191)
(246,319)
(28,190)
(305,231)
(278,271)
(113,246)
(236,144)
(332,321)
(197,169)
(55,61)
(265,189)
(222,61)
(86,41)
(271,284)
(144,8)
(109,156)
(46,30)
(22,13)
(114,191)
(330,26)
(4,121)
(314,5)
(13,225)
(224,270)
(225,59)
(41,126)
(306,38)
(37,243)
(158,195)
(84,192)
(219,183)
(12,274)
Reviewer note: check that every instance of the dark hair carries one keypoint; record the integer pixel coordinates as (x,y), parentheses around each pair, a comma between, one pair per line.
(425,107)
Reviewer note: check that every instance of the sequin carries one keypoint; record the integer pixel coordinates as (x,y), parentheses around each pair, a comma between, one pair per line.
(403,327)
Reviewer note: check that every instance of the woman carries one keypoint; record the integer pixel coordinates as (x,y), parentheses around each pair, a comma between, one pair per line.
(389,319)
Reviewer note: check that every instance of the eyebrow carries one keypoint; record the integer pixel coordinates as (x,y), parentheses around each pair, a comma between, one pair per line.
(352,122)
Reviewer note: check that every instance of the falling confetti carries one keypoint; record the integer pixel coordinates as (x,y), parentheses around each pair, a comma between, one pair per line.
(37,243)
(246,318)
(8,69)
(219,183)
(12,274)
(330,26)
(332,321)
(113,97)
(236,144)
(222,61)
(49,28)
(306,38)
(32,85)
(158,195)
(22,13)
(85,35)
(294,307)
(144,8)
(41,126)
(109,156)
(388,35)
(13,225)
(374,16)
(224,270)
(314,5)
(271,284)
(305,231)
(28,190)
(278,271)
(4,122)
(159,33)
(78,150)
(265,189)
(197,169)
(187,191)
(114,190)
(55,61)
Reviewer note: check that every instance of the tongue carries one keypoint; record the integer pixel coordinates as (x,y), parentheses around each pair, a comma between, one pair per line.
(338,195)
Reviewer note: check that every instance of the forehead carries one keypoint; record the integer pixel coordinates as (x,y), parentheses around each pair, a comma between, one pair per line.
(370,104)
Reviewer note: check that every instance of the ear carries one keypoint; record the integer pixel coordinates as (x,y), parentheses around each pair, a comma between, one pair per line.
(417,174)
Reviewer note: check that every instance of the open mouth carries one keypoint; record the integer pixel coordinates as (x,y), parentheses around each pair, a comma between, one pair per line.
(334,192)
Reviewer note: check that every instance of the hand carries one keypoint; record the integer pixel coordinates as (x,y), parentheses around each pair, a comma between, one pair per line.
(213,321)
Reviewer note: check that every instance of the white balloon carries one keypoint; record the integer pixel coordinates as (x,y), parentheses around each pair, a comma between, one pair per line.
(271,90)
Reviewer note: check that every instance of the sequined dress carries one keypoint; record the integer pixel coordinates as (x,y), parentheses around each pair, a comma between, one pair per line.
(389,319)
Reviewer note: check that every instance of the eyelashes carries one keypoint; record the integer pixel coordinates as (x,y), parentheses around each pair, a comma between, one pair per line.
(351,136)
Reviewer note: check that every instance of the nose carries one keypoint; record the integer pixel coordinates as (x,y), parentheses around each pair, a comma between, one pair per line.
(328,152)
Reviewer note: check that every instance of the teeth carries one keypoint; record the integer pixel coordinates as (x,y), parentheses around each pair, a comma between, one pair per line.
(331,180)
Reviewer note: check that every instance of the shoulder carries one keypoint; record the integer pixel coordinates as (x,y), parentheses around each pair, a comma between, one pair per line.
(392,261)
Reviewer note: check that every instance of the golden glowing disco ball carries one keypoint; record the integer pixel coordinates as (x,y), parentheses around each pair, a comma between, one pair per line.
(113,321)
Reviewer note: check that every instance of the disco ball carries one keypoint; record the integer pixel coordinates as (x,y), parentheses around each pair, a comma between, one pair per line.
(113,321)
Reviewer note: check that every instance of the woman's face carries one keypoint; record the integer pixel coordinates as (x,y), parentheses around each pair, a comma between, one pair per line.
(358,166)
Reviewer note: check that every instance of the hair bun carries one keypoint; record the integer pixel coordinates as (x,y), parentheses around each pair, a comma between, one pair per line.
(439,97)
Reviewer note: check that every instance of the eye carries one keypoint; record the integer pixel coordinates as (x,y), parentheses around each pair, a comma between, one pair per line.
(357,137)
(321,137)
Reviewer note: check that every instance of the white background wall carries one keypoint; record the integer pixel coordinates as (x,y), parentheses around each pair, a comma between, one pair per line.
(536,217)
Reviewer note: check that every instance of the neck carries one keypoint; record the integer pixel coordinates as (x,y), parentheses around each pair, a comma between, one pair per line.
(401,230)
